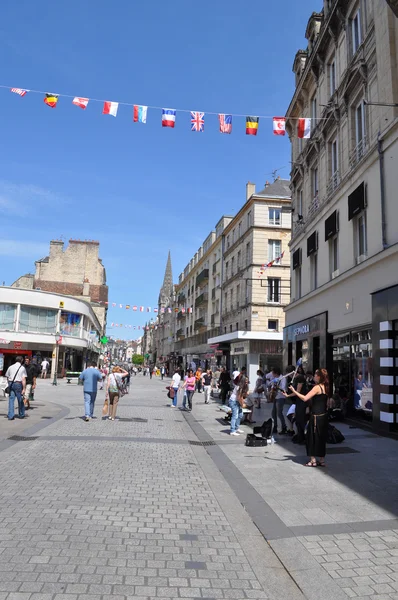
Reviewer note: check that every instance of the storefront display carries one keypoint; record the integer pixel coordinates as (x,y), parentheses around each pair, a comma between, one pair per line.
(310,341)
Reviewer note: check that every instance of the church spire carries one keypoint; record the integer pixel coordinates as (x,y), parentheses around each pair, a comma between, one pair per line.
(166,291)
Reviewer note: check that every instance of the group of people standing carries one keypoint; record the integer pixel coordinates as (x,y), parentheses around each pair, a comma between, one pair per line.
(115,386)
(190,383)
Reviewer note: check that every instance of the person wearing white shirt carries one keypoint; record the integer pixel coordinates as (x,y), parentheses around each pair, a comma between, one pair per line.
(44,368)
(16,377)
(175,384)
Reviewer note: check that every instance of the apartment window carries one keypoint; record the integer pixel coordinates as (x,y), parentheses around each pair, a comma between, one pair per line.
(314,270)
(274,216)
(249,219)
(334,256)
(228,241)
(332,76)
(231,299)
(315,182)
(236,326)
(246,324)
(356,32)
(274,286)
(225,330)
(230,329)
(187,331)
(248,254)
(240,229)
(247,293)
(314,108)
(272,324)
(7,316)
(233,236)
(239,262)
(233,266)
(359,123)
(335,157)
(297,283)
(300,202)
(237,296)
(226,269)
(274,249)
(360,237)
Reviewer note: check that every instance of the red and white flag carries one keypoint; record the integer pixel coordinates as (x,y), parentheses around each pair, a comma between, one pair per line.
(82,102)
(110,108)
(304,128)
(134,308)
(141,309)
(279,125)
(19,91)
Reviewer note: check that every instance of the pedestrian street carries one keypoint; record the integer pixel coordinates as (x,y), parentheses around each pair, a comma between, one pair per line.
(162,503)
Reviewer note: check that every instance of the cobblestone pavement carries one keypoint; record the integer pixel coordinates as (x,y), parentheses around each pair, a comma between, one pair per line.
(125,509)
(164,504)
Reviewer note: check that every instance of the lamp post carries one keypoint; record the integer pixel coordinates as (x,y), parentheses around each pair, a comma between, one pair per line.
(58,339)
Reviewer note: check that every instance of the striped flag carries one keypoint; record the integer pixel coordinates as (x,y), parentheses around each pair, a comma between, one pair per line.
(252,125)
(168,117)
(140,114)
(225,123)
(81,102)
(19,91)
(51,100)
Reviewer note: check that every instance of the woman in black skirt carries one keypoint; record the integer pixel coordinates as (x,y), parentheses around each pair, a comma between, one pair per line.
(318,424)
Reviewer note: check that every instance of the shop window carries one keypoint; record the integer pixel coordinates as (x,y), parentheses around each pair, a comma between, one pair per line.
(334,256)
(274,249)
(297,283)
(360,238)
(274,286)
(7,316)
(38,320)
(272,324)
(69,324)
(274,216)
(314,271)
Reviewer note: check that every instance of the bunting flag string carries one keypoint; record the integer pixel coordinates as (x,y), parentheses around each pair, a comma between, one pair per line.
(265,266)
(197,119)
(147,309)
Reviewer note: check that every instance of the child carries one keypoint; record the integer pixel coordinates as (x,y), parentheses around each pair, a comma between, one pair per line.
(291,417)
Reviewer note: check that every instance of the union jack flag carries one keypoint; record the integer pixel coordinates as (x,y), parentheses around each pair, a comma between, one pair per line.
(225,123)
(197,121)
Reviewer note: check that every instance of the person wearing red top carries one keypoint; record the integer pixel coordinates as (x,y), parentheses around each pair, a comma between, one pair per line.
(189,386)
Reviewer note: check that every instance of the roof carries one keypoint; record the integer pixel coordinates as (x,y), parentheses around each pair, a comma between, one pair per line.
(46,259)
(278,189)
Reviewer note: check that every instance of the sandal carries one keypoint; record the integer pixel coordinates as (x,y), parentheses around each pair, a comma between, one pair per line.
(311,464)
(321,463)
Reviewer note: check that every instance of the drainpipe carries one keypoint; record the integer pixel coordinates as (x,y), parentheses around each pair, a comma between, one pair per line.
(382,193)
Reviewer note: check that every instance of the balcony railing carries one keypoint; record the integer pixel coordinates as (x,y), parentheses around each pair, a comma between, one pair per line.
(202,278)
(180,333)
(201,299)
(333,183)
(314,206)
(359,152)
(181,299)
(200,323)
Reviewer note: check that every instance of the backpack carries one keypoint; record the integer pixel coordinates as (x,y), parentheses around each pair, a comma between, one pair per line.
(334,435)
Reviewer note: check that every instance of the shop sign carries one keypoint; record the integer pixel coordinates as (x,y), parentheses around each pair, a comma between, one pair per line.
(242,348)
(208,356)
(17,345)
(1,362)
(219,353)
(302,330)
(3,341)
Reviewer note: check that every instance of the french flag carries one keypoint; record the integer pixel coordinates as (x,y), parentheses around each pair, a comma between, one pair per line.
(140,113)
(304,128)
(110,108)
(168,117)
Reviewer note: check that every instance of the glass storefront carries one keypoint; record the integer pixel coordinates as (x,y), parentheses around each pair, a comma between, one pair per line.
(353,372)
(37,320)
(7,316)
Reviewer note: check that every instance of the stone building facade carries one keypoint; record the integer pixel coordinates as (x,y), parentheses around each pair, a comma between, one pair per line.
(75,271)
(345,222)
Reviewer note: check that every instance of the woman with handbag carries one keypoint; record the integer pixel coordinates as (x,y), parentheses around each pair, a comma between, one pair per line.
(114,390)
(236,404)
(189,385)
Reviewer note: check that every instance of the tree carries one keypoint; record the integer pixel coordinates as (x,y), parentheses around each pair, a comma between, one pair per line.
(137,359)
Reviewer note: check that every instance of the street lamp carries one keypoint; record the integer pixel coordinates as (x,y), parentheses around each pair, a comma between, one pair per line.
(58,339)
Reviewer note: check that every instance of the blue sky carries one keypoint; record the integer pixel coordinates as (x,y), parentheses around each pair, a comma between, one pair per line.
(138,189)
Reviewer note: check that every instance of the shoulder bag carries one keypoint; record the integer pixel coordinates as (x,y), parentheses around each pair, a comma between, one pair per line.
(9,386)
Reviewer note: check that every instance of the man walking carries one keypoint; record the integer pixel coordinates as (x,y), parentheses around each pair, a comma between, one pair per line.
(206,380)
(16,377)
(90,377)
(44,368)
(162,372)
(31,375)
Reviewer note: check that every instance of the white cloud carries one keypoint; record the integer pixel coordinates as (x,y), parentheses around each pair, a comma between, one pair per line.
(20,197)
(22,248)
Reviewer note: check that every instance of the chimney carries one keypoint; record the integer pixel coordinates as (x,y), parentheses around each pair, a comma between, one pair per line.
(56,248)
(250,189)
